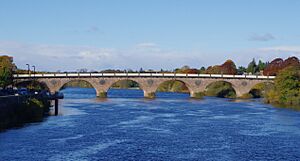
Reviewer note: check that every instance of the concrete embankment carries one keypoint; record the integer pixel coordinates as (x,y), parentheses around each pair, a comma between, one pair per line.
(18,110)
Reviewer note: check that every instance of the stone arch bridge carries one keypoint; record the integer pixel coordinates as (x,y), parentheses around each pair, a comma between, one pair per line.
(148,82)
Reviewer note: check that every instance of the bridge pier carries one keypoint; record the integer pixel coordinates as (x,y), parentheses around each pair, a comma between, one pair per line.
(102,94)
(56,107)
(196,94)
(150,95)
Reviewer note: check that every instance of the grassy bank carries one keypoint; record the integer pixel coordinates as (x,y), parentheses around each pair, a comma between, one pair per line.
(17,110)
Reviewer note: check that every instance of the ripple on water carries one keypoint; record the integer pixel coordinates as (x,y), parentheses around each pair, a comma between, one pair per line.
(84,151)
(61,140)
(138,120)
(159,129)
(225,117)
(68,111)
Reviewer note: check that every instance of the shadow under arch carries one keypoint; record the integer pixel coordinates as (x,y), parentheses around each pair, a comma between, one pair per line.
(77,86)
(221,89)
(260,89)
(33,85)
(125,88)
(173,87)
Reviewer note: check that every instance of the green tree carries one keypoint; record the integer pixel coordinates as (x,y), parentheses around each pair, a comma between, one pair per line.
(287,87)
(261,65)
(241,70)
(6,71)
(252,67)
(202,70)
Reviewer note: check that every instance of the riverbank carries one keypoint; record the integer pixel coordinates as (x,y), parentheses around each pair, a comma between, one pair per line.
(15,111)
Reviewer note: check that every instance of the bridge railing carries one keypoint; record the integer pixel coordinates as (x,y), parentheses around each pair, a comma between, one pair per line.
(68,75)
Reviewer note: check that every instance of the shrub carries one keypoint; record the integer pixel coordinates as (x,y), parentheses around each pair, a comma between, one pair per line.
(287,87)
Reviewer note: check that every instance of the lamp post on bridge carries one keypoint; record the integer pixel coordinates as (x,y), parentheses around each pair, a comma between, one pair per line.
(28,68)
(33,70)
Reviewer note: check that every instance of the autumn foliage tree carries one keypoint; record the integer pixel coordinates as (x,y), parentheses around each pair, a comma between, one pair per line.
(278,64)
(227,68)
(187,70)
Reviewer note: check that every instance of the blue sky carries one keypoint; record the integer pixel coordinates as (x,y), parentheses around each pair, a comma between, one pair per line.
(97,34)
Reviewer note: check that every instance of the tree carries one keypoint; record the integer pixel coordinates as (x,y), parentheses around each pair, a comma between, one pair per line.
(241,70)
(6,71)
(202,70)
(278,64)
(185,67)
(141,70)
(226,68)
(261,65)
(252,67)
(287,87)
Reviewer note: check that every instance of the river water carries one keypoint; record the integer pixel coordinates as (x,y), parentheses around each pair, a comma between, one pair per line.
(171,127)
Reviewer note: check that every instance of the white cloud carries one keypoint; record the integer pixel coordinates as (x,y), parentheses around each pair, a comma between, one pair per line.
(146,45)
(143,55)
(293,49)
(243,57)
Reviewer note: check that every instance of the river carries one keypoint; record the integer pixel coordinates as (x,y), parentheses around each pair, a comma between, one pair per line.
(171,127)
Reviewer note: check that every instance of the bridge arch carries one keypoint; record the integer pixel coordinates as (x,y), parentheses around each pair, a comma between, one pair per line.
(126,83)
(77,83)
(33,84)
(259,90)
(166,84)
(65,82)
(56,84)
(221,88)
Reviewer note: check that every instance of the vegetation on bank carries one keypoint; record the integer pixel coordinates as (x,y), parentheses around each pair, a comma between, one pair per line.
(15,111)
(260,90)
(6,71)
(220,89)
(32,85)
(286,89)
(173,86)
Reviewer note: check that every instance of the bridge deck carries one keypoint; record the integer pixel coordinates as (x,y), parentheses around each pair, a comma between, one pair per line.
(180,75)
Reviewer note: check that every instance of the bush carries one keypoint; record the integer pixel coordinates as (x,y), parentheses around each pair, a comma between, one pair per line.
(287,87)
(226,68)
